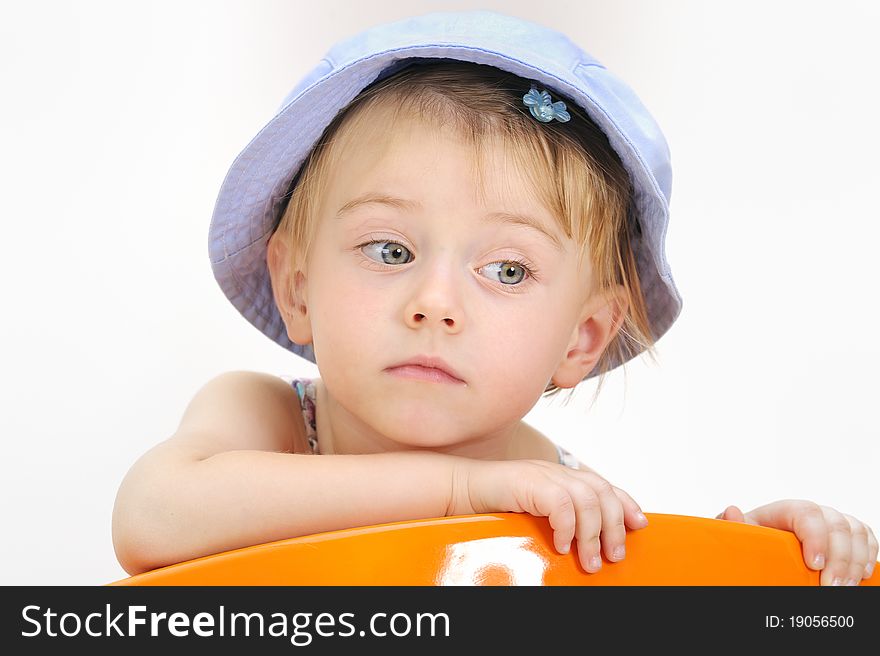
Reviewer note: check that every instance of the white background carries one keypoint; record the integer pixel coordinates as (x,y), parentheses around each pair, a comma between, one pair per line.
(119,121)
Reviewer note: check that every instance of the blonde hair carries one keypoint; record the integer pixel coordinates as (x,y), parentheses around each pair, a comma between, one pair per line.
(572,166)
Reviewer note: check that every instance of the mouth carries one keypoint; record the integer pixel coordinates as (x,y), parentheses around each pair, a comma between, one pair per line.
(428,369)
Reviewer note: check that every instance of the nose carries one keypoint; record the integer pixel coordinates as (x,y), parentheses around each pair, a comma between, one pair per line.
(435,301)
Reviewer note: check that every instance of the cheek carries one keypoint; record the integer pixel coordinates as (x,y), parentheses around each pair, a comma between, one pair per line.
(351,325)
(532,332)
(344,311)
(513,370)
(518,353)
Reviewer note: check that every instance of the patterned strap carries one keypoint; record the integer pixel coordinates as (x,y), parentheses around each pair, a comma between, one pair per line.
(305,390)
(567,459)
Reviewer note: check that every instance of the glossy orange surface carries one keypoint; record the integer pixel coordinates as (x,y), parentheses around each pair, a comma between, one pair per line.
(504,549)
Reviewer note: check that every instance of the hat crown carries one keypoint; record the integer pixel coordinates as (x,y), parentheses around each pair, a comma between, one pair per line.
(485,30)
(479,30)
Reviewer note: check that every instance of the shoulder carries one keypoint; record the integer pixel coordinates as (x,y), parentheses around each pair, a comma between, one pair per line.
(535,445)
(251,386)
(242,410)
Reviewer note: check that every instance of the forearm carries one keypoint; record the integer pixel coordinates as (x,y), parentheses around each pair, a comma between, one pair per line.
(240,498)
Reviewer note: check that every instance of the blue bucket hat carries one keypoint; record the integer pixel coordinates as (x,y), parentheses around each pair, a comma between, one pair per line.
(256,189)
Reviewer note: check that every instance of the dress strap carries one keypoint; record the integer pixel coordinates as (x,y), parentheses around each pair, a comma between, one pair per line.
(566,458)
(307,393)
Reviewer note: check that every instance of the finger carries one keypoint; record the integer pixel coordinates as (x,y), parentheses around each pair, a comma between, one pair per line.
(613,531)
(858,550)
(633,516)
(588,511)
(839,555)
(555,503)
(803,518)
(732,514)
(595,500)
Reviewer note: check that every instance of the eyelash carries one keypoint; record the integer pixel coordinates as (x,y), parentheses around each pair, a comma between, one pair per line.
(530,269)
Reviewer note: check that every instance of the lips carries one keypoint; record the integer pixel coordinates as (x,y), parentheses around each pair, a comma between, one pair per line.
(428,367)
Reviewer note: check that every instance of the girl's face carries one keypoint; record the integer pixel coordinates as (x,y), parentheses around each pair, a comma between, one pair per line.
(449,274)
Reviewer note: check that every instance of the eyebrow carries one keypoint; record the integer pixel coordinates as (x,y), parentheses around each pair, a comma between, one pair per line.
(504,218)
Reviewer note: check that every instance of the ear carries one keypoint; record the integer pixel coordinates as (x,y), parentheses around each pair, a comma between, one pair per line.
(288,289)
(597,325)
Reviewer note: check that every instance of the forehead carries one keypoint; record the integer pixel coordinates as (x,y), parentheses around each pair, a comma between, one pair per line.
(388,147)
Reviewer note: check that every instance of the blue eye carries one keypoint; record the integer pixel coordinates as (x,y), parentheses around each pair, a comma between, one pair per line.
(391,252)
(511,272)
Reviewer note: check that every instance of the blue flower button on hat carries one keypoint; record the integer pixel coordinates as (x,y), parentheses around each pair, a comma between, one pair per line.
(543,108)
(254,192)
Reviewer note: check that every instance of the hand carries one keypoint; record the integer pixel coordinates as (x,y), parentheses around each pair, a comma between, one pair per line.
(839,545)
(579,503)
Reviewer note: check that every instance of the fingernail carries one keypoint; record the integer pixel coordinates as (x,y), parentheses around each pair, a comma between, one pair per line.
(564,549)
(837,581)
(852,582)
(641,519)
(596,563)
(819,561)
(869,570)
(619,552)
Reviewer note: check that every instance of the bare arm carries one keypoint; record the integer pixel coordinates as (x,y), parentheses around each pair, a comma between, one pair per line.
(240,498)
(227,479)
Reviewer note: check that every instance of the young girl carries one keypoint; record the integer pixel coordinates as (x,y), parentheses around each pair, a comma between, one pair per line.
(451,216)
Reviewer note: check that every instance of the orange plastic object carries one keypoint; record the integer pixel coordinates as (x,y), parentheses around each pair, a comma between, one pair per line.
(504,549)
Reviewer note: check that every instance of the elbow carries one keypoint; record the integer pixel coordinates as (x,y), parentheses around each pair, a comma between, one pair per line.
(141,528)
(136,544)
(147,525)
(133,558)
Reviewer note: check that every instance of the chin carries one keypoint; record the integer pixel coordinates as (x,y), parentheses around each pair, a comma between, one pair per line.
(426,435)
